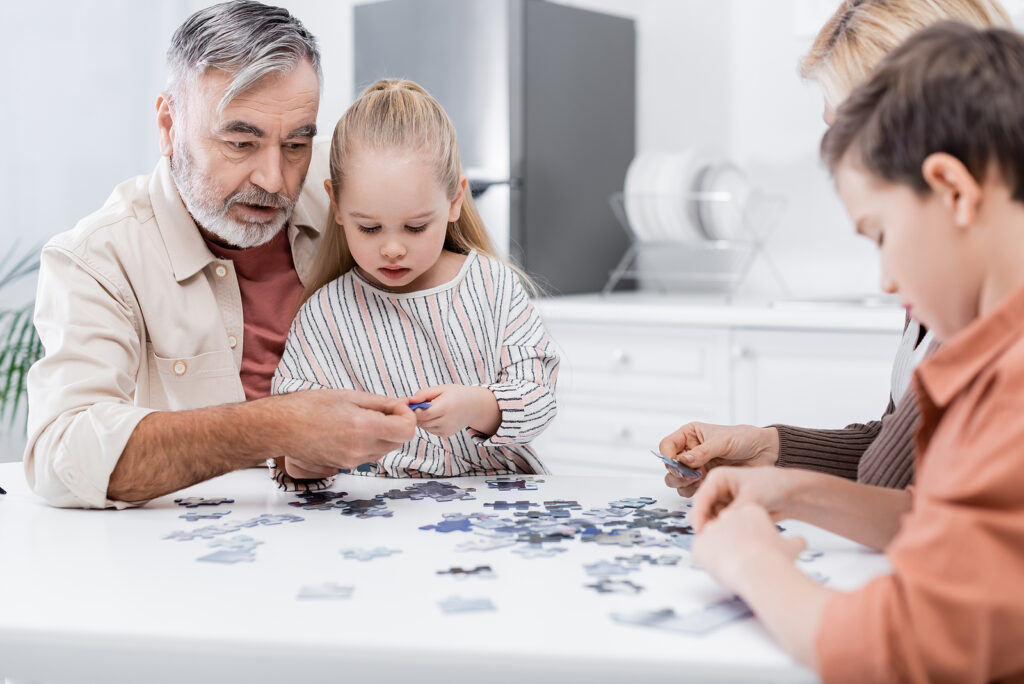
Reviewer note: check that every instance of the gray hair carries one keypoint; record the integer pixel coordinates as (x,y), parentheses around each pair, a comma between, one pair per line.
(247,39)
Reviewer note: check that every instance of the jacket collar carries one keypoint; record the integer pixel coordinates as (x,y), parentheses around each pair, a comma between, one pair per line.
(960,360)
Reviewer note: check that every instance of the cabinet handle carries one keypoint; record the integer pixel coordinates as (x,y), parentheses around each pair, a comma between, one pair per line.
(620,357)
(742,352)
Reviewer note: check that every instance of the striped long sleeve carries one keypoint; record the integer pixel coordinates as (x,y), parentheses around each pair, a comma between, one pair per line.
(525,384)
(478,329)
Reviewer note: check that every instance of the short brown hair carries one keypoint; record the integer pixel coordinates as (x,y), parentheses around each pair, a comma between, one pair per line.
(949,88)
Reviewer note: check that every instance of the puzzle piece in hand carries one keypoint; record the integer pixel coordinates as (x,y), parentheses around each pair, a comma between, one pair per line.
(503,483)
(328,590)
(480,571)
(193,516)
(633,503)
(606,585)
(508,505)
(438,491)
(193,501)
(696,623)
(368,554)
(676,465)
(458,604)
(538,550)
(807,555)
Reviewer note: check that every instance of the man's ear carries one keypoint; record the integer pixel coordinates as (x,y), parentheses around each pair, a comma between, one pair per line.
(329,189)
(165,120)
(949,178)
(455,210)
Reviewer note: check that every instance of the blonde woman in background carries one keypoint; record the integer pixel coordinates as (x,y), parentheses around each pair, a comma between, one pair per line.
(881,452)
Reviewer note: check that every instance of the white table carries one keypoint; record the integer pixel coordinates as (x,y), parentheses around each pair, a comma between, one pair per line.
(99,596)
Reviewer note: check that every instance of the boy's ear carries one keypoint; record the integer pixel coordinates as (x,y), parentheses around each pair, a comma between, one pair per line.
(334,205)
(949,178)
(455,210)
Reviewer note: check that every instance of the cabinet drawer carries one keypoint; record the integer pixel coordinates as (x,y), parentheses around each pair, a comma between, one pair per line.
(663,360)
(632,431)
(567,458)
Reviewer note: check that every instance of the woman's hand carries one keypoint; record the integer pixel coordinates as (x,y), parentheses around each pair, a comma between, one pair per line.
(703,446)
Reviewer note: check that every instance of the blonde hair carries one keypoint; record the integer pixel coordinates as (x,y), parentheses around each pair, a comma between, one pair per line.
(398,114)
(861,32)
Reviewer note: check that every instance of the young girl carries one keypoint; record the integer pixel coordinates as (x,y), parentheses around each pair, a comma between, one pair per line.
(408,299)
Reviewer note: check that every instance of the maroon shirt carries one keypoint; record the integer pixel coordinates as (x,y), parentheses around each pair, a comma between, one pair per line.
(271,291)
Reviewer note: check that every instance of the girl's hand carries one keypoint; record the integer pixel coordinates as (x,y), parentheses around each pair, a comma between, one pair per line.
(301,470)
(739,541)
(772,489)
(456,407)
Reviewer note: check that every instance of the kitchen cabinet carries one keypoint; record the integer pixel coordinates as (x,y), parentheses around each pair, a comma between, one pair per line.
(635,367)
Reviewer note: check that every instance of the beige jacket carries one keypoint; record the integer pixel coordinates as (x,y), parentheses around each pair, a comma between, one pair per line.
(136,315)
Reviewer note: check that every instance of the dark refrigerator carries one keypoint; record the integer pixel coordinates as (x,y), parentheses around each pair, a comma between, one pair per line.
(543,99)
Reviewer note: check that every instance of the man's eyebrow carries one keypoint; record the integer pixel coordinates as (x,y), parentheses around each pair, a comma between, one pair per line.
(242,127)
(307,131)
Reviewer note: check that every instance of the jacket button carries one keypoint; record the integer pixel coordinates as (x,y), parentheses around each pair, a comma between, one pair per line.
(179,367)
(232,341)
(221,270)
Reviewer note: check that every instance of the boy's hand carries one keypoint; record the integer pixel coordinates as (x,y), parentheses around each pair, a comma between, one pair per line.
(771,489)
(703,446)
(739,541)
(456,407)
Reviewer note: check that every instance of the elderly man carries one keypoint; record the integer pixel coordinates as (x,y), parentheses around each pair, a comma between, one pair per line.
(164,313)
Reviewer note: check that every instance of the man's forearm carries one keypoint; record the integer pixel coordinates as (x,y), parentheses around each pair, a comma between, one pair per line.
(170,450)
(866,514)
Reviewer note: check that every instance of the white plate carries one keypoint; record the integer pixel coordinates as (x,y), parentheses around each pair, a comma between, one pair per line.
(723,216)
(635,196)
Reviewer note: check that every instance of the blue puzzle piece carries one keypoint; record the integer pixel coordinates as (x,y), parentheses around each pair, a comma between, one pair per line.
(676,465)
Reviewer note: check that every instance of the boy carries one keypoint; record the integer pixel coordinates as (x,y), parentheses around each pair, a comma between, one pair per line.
(928,158)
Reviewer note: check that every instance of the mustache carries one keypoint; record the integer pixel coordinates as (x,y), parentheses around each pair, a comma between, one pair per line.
(260,197)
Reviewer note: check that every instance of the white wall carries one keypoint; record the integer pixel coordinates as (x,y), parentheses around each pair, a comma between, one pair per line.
(80,83)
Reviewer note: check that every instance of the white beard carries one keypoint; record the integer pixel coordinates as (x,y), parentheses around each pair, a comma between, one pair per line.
(211,214)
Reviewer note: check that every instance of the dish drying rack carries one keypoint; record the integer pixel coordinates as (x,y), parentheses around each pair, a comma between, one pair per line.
(696,261)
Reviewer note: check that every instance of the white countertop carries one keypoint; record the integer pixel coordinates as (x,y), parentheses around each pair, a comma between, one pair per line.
(875,315)
(100,596)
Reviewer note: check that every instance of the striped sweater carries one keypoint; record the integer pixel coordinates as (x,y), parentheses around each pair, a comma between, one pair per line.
(478,329)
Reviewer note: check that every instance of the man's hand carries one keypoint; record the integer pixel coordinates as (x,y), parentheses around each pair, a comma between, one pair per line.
(324,430)
(738,542)
(702,446)
(456,407)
